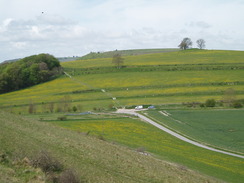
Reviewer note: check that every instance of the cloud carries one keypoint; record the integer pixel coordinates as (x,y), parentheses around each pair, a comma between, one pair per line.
(76,27)
(199,24)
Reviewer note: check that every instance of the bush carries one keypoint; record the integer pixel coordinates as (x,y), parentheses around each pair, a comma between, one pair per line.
(62,118)
(68,176)
(47,163)
(237,104)
(202,105)
(210,103)
(74,108)
(140,149)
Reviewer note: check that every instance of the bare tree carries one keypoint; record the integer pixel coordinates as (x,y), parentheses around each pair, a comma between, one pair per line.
(229,97)
(51,107)
(185,43)
(66,103)
(201,43)
(79,107)
(118,60)
(31,108)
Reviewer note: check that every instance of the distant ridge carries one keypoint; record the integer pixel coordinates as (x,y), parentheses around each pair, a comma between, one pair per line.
(61,59)
(109,54)
(10,61)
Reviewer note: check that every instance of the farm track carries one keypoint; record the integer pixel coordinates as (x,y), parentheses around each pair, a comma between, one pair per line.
(144,118)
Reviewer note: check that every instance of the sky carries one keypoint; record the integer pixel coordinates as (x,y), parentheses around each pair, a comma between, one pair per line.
(77,27)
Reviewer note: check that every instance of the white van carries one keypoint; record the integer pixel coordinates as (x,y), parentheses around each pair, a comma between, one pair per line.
(139,107)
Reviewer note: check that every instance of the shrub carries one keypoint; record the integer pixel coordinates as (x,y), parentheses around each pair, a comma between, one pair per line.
(68,176)
(47,163)
(101,137)
(210,103)
(3,158)
(237,104)
(202,105)
(62,118)
(140,149)
(74,108)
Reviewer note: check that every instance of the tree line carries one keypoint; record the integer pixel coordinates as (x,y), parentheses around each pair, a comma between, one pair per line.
(28,71)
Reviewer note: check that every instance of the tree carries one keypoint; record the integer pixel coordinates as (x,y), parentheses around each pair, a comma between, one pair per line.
(66,103)
(28,71)
(74,108)
(118,60)
(210,103)
(79,107)
(32,108)
(201,43)
(229,97)
(51,107)
(185,43)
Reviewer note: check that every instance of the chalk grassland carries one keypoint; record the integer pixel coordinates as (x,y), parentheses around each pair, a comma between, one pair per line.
(220,128)
(94,160)
(139,135)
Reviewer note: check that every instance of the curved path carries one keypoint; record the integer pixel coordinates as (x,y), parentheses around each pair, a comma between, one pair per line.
(133,112)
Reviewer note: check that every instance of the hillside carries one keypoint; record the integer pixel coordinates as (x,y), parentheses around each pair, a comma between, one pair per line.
(191,76)
(110,54)
(177,82)
(94,160)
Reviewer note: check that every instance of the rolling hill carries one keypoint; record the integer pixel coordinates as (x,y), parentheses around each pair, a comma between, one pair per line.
(191,76)
(170,80)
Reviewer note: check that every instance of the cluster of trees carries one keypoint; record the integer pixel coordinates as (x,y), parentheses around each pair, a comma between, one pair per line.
(28,71)
(187,43)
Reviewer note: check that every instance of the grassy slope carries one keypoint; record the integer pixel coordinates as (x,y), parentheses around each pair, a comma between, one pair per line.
(136,134)
(220,128)
(93,159)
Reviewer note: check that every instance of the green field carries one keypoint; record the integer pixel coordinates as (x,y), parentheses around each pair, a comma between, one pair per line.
(159,78)
(139,135)
(93,159)
(220,128)
(132,88)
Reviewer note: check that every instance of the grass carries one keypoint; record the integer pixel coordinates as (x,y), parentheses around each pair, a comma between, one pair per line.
(137,134)
(168,82)
(94,160)
(169,58)
(159,79)
(110,54)
(169,77)
(219,128)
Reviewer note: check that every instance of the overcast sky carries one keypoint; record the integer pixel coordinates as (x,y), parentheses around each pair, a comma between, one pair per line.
(77,27)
